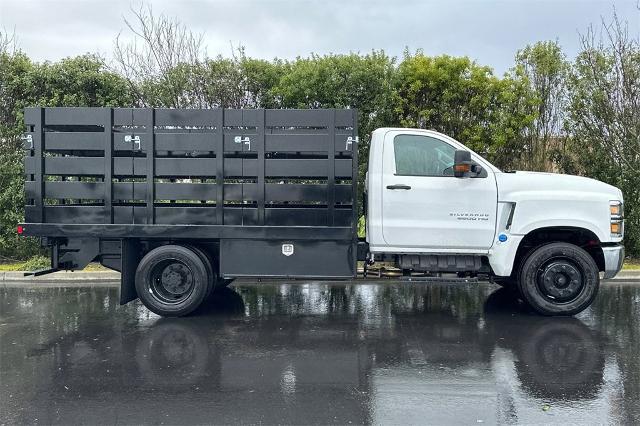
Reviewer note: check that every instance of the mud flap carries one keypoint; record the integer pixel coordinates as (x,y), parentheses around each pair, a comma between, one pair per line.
(130,260)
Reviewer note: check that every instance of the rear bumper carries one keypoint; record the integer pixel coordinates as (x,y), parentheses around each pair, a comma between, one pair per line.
(613,258)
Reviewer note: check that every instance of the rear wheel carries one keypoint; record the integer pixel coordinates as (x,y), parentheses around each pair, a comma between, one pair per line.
(172,280)
(559,279)
(208,263)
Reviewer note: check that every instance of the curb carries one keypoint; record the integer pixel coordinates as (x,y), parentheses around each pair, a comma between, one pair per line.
(79,276)
(633,274)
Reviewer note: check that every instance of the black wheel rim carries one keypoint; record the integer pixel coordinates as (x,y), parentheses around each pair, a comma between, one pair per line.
(172,281)
(560,280)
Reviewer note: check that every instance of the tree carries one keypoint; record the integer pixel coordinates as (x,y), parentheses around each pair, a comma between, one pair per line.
(239,81)
(464,100)
(14,90)
(544,68)
(160,63)
(166,65)
(80,81)
(604,115)
(357,81)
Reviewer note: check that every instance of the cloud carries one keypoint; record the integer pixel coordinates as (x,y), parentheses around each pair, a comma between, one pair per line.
(489,31)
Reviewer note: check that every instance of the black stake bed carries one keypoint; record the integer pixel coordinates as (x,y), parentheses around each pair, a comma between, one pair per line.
(203,175)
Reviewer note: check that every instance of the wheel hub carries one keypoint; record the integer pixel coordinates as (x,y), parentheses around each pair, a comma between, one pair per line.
(560,280)
(172,281)
(175,278)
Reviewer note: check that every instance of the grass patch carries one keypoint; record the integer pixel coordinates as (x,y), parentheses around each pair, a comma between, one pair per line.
(41,262)
(631,264)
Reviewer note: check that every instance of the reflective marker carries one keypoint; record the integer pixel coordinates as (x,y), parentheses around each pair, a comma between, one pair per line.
(502,238)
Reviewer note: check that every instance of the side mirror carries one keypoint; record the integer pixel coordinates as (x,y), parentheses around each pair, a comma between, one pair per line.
(462,163)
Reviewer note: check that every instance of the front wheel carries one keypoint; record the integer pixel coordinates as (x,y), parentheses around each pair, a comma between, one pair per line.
(559,279)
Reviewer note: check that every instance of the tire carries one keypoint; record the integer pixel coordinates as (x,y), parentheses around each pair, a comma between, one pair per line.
(172,280)
(208,263)
(559,279)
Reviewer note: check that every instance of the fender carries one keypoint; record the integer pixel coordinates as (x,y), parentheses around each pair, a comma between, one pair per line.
(503,253)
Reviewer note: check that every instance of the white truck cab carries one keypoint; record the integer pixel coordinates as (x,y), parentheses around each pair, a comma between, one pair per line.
(434,205)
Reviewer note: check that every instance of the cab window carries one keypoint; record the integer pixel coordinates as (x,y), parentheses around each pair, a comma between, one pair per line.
(417,155)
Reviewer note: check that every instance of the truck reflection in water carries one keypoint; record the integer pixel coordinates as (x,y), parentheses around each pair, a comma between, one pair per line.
(317,353)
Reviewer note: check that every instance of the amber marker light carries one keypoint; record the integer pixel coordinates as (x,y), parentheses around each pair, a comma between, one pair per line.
(615,210)
(462,168)
(616,228)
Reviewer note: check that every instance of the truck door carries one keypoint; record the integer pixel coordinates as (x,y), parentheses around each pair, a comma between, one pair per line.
(424,206)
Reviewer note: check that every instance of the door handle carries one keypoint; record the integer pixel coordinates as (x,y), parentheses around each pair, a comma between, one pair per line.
(398,186)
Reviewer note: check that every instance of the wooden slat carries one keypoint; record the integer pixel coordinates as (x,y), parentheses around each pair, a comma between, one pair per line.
(185,117)
(185,142)
(302,192)
(74,166)
(75,214)
(31,116)
(240,191)
(74,190)
(305,118)
(185,167)
(30,189)
(170,167)
(233,118)
(128,117)
(129,190)
(306,168)
(73,116)
(186,191)
(66,141)
(305,217)
(305,142)
(246,216)
(185,215)
(129,214)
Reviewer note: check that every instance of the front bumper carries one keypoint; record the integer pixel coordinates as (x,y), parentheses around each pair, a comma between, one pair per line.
(613,258)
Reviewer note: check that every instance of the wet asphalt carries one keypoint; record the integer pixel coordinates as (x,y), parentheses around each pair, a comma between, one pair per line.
(318,353)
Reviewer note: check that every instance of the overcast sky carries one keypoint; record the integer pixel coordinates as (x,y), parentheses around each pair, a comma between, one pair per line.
(488,31)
